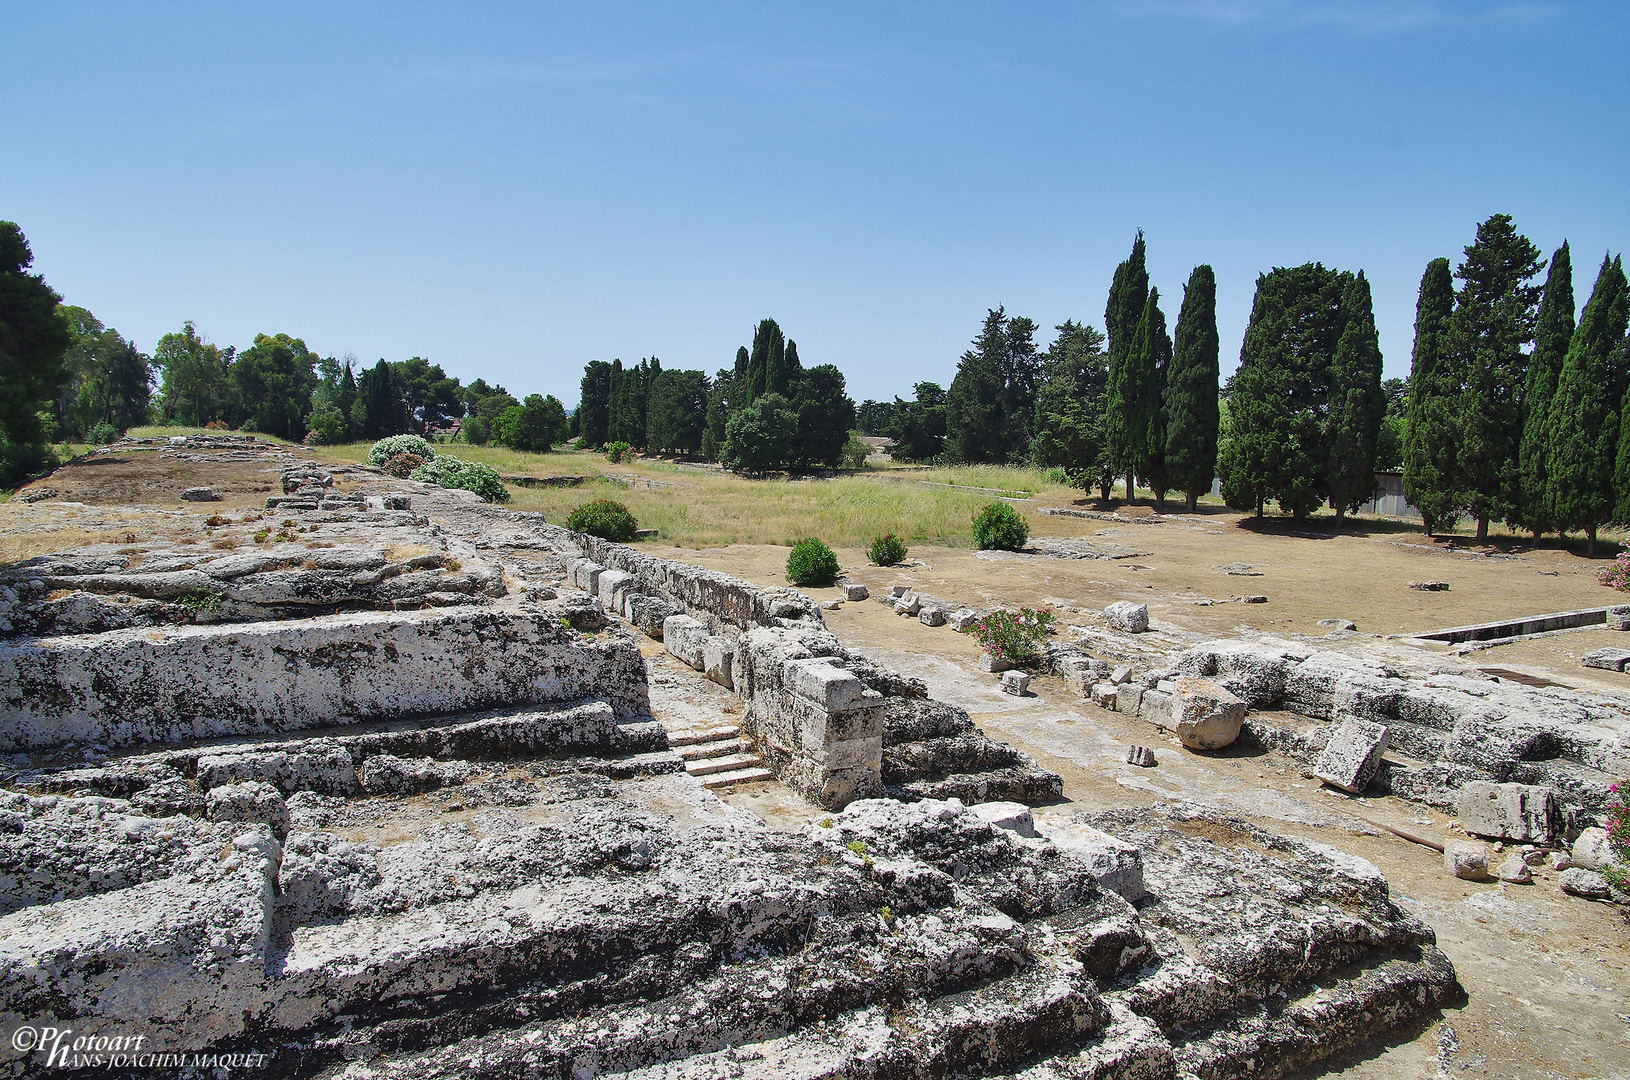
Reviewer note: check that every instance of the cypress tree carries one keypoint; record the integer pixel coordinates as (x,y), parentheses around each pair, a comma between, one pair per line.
(1191,390)
(1146,420)
(782,381)
(1430,428)
(974,424)
(594,403)
(1353,424)
(1553,330)
(1585,409)
(1128,295)
(767,365)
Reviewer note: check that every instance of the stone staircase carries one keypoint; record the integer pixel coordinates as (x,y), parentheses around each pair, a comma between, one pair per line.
(718,756)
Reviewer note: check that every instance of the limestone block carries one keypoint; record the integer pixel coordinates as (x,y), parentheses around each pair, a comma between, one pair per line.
(325,770)
(1339,624)
(1127,616)
(252,802)
(988,662)
(1611,658)
(855,591)
(898,591)
(648,612)
(831,605)
(1141,756)
(719,660)
(200,494)
(1618,618)
(1592,850)
(1466,859)
(588,576)
(817,679)
(931,616)
(1121,674)
(909,604)
(1116,864)
(1128,697)
(1521,812)
(685,638)
(1080,673)
(613,587)
(1012,816)
(1015,683)
(1586,883)
(813,726)
(1514,869)
(1353,756)
(1103,695)
(1158,708)
(963,619)
(1206,716)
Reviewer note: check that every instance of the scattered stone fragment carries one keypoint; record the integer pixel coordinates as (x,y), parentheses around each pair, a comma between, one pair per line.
(1127,616)
(990,663)
(1254,598)
(1586,883)
(1141,755)
(1103,695)
(931,616)
(898,591)
(1207,715)
(1015,683)
(200,494)
(1466,859)
(1339,624)
(1429,586)
(1239,569)
(1560,860)
(1618,618)
(1611,658)
(908,604)
(1522,812)
(1592,850)
(1353,756)
(251,802)
(963,619)
(1515,870)
(854,591)
(1120,674)
(831,605)
(1012,816)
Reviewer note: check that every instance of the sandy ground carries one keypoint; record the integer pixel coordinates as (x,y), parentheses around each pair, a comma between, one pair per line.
(1547,976)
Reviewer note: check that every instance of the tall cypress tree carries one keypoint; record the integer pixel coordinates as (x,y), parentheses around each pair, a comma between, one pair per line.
(1585,409)
(1191,390)
(1146,420)
(1553,330)
(1353,424)
(1430,429)
(767,365)
(1128,295)
(594,403)
(975,428)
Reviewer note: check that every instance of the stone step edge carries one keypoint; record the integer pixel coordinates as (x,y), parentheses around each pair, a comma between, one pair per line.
(739,776)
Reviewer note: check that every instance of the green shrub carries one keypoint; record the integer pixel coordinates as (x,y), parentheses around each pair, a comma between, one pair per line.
(1014,636)
(887,550)
(402,465)
(605,518)
(102,434)
(391,445)
(854,452)
(451,472)
(999,526)
(1617,822)
(617,451)
(811,563)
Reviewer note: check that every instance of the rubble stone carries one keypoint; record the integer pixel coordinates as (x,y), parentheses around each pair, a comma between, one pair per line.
(1612,658)
(1121,674)
(1353,755)
(963,619)
(855,591)
(931,616)
(1586,883)
(1204,714)
(1592,850)
(1012,816)
(251,802)
(1514,869)
(200,494)
(1466,859)
(1016,683)
(1127,616)
(909,604)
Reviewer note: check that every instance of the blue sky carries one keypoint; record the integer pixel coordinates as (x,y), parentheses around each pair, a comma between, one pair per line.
(512,190)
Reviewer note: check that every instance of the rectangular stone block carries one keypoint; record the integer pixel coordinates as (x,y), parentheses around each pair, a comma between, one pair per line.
(819,680)
(854,591)
(1353,756)
(963,619)
(850,754)
(588,577)
(719,660)
(1521,812)
(685,638)
(1128,696)
(1103,695)
(648,612)
(612,588)
(816,726)
(931,616)
(1158,708)
(1079,674)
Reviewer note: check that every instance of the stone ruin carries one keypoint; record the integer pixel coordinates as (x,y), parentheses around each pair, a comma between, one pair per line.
(432,828)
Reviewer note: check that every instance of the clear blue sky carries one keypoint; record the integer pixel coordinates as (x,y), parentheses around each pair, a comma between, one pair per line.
(513,190)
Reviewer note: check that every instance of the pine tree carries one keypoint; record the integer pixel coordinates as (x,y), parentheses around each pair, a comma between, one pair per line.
(1430,430)
(594,403)
(975,430)
(1191,390)
(1128,295)
(1584,423)
(1353,423)
(1146,420)
(1553,330)
(1493,320)
(1070,407)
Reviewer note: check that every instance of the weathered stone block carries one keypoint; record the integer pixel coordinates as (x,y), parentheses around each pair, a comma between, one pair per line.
(909,604)
(588,576)
(1466,859)
(200,494)
(1012,816)
(855,591)
(1205,714)
(613,587)
(1127,616)
(990,663)
(819,680)
(719,660)
(931,616)
(1121,674)
(1128,697)
(1141,756)
(1159,708)
(647,612)
(1611,658)
(685,638)
(1103,695)
(1519,812)
(963,619)
(1353,756)
(1114,863)
(1016,683)
(252,802)
(1592,850)
(1586,883)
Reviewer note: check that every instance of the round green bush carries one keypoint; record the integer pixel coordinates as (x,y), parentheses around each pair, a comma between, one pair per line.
(605,518)
(450,472)
(402,465)
(391,445)
(999,526)
(811,563)
(616,451)
(887,550)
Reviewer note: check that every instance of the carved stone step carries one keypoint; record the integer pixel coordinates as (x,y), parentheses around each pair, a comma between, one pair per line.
(708,766)
(737,776)
(691,736)
(697,751)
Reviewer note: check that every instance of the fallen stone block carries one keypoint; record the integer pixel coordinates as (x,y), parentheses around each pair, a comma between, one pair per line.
(1207,716)
(200,494)
(685,638)
(1592,850)
(963,619)
(1121,674)
(1103,695)
(583,613)
(1353,756)
(1251,598)
(1127,616)
(588,576)
(1141,756)
(1015,683)
(908,604)
(252,802)
(931,616)
(993,664)
(1339,624)
(855,592)
(831,605)
(1611,658)
(1521,812)
(1128,697)
(1618,618)
(898,591)
(1466,859)
(1081,672)
(1586,883)
(1429,586)
(1012,816)
(719,660)
(1514,869)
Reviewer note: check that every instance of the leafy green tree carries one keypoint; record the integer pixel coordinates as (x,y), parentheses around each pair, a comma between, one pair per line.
(275,378)
(758,436)
(1125,417)
(873,417)
(535,425)
(1585,410)
(1151,356)
(718,408)
(1069,431)
(918,427)
(33,340)
(676,411)
(1553,331)
(975,430)
(594,404)
(1431,433)
(1192,389)
(1353,421)
(1389,441)
(825,416)
(1493,321)
(124,383)
(195,377)
(430,398)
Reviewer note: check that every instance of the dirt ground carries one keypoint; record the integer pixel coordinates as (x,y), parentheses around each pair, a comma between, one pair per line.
(1547,976)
